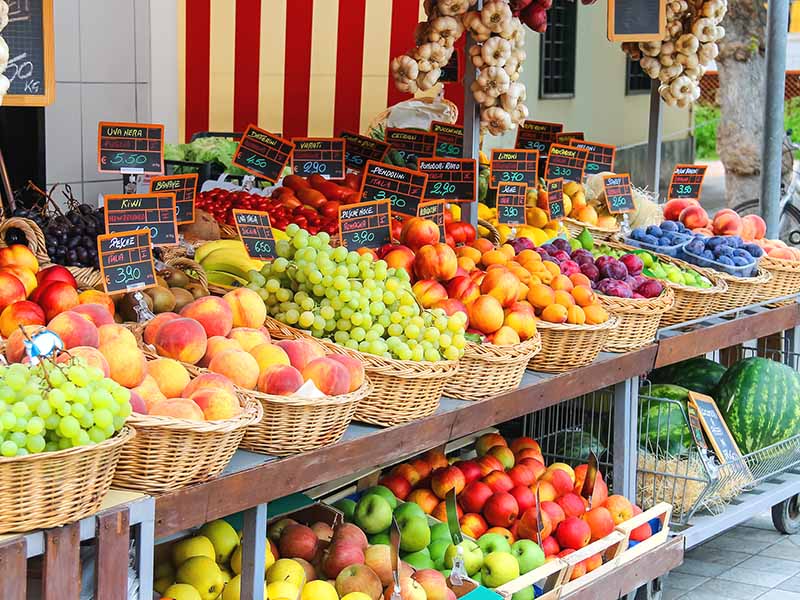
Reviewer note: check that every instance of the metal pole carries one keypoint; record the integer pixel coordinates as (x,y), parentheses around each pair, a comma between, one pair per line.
(254,548)
(626,442)
(654,139)
(777,32)
(472,127)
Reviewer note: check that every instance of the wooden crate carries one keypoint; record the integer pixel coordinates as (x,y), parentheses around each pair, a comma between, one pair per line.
(662,512)
(550,577)
(611,547)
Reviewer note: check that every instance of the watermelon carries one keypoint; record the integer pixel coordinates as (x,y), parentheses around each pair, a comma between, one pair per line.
(760,401)
(663,428)
(696,374)
(574,446)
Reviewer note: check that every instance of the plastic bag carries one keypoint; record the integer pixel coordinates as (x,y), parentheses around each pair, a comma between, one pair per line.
(418,114)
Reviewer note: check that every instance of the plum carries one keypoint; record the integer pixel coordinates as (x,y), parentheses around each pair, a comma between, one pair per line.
(549,248)
(549,258)
(669,226)
(753,250)
(611,287)
(581,256)
(633,263)
(613,269)
(591,271)
(568,267)
(542,252)
(654,230)
(521,243)
(601,260)
(741,261)
(631,281)
(561,256)
(650,240)
(638,281)
(696,246)
(650,288)
(561,244)
(726,260)
(638,296)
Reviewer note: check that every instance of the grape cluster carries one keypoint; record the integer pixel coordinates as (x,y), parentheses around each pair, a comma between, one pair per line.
(358,302)
(72,238)
(54,407)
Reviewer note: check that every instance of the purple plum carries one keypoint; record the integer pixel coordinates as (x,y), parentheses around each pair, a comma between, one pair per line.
(613,269)
(638,296)
(561,256)
(581,256)
(591,271)
(549,258)
(568,267)
(549,248)
(541,252)
(639,280)
(521,243)
(615,288)
(631,282)
(633,263)
(601,260)
(561,244)
(651,289)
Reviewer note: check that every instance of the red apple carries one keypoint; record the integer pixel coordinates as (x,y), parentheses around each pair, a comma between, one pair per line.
(504,455)
(524,497)
(550,546)
(536,466)
(528,524)
(340,555)
(445,479)
(470,469)
(573,533)
(407,472)
(489,463)
(555,512)
(572,504)
(522,475)
(559,479)
(522,443)
(620,508)
(298,541)
(501,509)
(474,496)
(399,486)
(498,481)
(600,522)
(425,499)
(440,512)
(473,525)
(486,441)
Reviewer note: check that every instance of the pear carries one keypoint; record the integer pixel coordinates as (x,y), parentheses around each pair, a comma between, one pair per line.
(182,591)
(223,537)
(198,545)
(203,574)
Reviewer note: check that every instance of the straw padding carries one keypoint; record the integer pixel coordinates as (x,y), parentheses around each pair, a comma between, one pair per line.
(33,235)
(566,347)
(598,233)
(50,489)
(638,320)
(487,370)
(785,280)
(291,425)
(741,290)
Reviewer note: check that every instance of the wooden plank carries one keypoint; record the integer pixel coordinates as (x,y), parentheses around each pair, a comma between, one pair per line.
(113,539)
(14,569)
(61,575)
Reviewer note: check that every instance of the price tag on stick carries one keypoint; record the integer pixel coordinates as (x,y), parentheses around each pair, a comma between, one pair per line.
(256,232)
(539,524)
(411,143)
(566,162)
(360,149)
(184,187)
(451,179)
(434,211)
(566,137)
(319,156)
(589,481)
(686,182)
(459,572)
(126,261)
(130,148)
(514,166)
(555,198)
(154,212)
(366,224)
(619,196)
(449,139)
(600,158)
(394,540)
(262,153)
(511,203)
(402,187)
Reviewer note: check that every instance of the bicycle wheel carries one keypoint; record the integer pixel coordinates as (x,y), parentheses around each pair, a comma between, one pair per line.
(789,224)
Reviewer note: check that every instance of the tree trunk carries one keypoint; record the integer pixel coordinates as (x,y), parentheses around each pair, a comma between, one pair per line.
(742,66)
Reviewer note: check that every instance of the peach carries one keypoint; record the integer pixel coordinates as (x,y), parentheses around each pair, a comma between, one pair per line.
(90,355)
(521,318)
(280,380)
(149,392)
(429,292)
(502,284)
(555,313)
(216,345)
(15,346)
(238,366)
(177,408)
(727,222)
(595,314)
(217,404)
(354,368)
(170,375)
(494,257)
(436,261)
(451,306)
(486,314)
(54,298)
(97,297)
(784,253)
(694,217)
(301,352)
(126,363)
(505,336)
(112,332)
(12,290)
(756,224)
(331,378)
(208,380)
(23,312)
(673,208)
(55,273)
(466,263)
(540,296)
(418,232)
(247,308)
(400,257)
(18,255)
(183,339)
(26,277)
(213,313)
(94,313)
(249,337)
(74,330)
(152,327)
(464,289)
(267,355)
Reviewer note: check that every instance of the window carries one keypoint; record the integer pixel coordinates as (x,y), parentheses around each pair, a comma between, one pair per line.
(636,80)
(557,70)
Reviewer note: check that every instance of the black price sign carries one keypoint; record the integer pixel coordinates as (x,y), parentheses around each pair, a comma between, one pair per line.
(566,137)
(262,153)
(130,148)
(514,166)
(126,261)
(360,149)
(450,139)
(686,182)
(619,197)
(184,187)
(434,211)
(452,71)
(319,156)
(256,233)
(511,203)
(565,162)
(411,143)
(154,212)
(715,428)
(636,20)
(451,179)
(538,135)
(600,158)
(555,198)
(365,225)
(403,188)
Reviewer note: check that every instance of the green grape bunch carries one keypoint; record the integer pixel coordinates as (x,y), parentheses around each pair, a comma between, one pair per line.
(53,406)
(356,301)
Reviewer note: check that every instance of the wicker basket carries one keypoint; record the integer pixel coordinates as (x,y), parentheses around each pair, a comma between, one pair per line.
(51,489)
(741,290)
(785,280)
(494,235)
(33,235)
(604,234)
(292,425)
(566,347)
(487,370)
(638,320)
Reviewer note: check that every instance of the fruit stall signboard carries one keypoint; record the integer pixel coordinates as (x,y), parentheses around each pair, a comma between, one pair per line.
(184,187)
(403,188)
(256,232)
(601,156)
(555,198)
(451,179)
(365,225)
(538,135)
(514,166)
(686,182)
(449,139)
(715,428)
(619,197)
(411,143)
(130,148)
(360,149)
(511,203)
(319,156)
(262,154)
(566,162)
(434,211)
(154,212)
(126,261)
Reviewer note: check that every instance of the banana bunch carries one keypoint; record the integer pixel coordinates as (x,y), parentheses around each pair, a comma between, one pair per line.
(226,263)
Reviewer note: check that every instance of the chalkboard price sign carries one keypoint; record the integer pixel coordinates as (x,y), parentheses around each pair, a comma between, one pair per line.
(715,428)
(155,212)
(319,156)
(514,166)
(126,261)
(566,162)
(686,182)
(565,137)
(184,187)
(256,232)
(451,179)
(31,53)
(555,198)
(434,211)
(360,149)
(410,143)
(130,148)
(365,225)
(450,139)
(511,203)
(619,197)
(600,158)
(538,135)
(636,20)
(403,188)
(452,72)
(262,153)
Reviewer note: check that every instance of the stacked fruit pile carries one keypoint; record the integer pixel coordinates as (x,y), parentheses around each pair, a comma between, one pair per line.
(539,229)
(577,206)
(656,268)
(174,289)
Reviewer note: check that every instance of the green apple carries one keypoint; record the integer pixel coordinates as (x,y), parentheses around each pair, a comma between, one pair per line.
(528,554)
(441,531)
(473,556)
(384,493)
(493,542)
(373,514)
(420,559)
(437,549)
(415,533)
(527,594)
(379,538)
(476,577)
(499,568)
(408,509)
(347,506)
(446,573)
